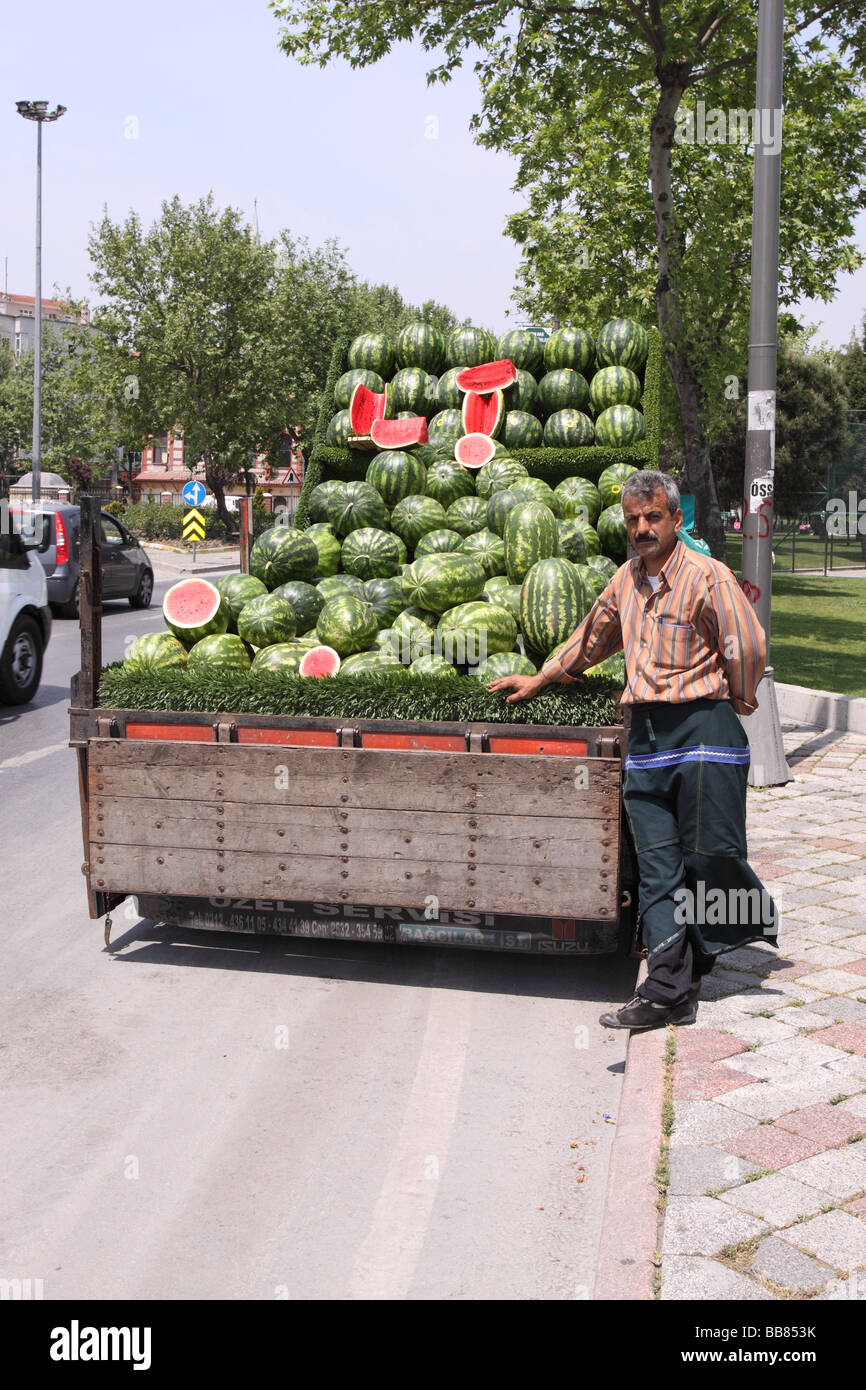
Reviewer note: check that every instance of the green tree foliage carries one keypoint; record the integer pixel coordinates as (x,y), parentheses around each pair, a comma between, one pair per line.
(624,215)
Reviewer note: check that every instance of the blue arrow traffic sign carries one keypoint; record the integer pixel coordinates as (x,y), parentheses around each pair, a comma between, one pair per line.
(194,493)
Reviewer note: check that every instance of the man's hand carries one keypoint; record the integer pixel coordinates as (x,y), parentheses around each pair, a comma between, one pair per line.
(524,687)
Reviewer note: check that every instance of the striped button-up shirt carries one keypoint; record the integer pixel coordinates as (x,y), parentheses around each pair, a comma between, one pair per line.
(695,637)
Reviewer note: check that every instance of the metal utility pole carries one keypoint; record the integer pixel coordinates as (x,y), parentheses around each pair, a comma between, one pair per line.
(768,766)
(38,111)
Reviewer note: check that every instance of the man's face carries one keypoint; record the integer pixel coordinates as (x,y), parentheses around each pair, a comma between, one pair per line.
(652,529)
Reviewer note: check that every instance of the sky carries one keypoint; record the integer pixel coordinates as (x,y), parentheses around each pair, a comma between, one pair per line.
(194,96)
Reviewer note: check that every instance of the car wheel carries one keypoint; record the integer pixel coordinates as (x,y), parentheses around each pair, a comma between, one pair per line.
(69,609)
(21,663)
(141,599)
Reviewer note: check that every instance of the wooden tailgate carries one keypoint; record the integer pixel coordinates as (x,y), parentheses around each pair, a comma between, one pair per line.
(497,832)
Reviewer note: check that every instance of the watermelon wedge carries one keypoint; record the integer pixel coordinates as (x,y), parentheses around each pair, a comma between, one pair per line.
(365,407)
(319,661)
(194,609)
(491,376)
(399,434)
(474,450)
(483,414)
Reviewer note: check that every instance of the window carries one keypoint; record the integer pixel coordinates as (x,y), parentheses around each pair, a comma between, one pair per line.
(111,532)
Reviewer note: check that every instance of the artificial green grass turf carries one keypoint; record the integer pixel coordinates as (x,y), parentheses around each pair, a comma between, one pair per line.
(460,699)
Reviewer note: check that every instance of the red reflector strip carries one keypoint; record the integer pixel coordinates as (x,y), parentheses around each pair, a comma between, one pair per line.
(558,747)
(296,738)
(449,743)
(174,733)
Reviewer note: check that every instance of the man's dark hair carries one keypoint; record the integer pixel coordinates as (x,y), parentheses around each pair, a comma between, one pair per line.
(643,487)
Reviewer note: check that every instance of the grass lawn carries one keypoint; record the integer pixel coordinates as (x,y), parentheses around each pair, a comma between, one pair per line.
(817,628)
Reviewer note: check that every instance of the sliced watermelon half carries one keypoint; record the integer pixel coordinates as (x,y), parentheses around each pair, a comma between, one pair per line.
(491,376)
(193,609)
(483,414)
(365,407)
(474,450)
(319,661)
(399,434)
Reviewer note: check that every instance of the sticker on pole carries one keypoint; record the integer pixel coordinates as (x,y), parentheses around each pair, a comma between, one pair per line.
(762,410)
(760,493)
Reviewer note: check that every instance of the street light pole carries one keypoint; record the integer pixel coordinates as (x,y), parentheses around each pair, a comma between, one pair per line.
(768,767)
(38,111)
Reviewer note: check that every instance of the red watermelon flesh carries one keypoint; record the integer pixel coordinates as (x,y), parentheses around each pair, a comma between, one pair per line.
(319,661)
(474,450)
(491,376)
(483,414)
(399,434)
(365,407)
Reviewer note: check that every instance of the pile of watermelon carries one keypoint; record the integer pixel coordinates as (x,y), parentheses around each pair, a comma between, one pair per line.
(428,567)
(460,392)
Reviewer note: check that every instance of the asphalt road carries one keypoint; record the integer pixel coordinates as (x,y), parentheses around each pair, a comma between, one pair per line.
(205,1115)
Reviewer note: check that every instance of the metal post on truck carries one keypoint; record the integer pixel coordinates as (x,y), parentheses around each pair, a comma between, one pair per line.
(245,509)
(90,600)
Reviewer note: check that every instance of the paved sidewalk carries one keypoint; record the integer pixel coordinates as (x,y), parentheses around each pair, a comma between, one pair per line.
(767,1152)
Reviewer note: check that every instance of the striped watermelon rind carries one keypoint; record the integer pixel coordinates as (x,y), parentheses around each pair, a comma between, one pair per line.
(622,343)
(349,380)
(448,393)
(469,347)
(614,386)
(523,349)
(447,480)
(283,553)
(328,550)
(421,345)
(432,665)
(358,505)
(612,532)
(611,482)
(306,600)
(520,430)
(441,542)
(385,597)
(409,390)
(570,347)
(395,474)
(568,429)
(414,516)
(562,389)
(369,663)
(194,609)
(488,548)
(317,506)
(370,553)
(470,632)
(619,426)
(466,515)
(347,625)
(156,651)
(538,490)
(445,428)
(283,658)
(225,649)
(438,582)
(571,540)
(579,497)
(267,620)
(238,590)
(553,602)
(504,664)
(523,394)
(499,504)
(499,474)
(338,430)
(374,351)
(530,536)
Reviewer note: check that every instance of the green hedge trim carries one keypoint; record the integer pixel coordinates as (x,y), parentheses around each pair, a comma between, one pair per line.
(550,464)
(458,699)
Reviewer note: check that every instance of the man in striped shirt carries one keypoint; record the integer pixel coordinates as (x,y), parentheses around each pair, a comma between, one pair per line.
(694,655)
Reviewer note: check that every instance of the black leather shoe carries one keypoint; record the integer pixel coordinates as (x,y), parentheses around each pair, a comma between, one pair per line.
(640,1014)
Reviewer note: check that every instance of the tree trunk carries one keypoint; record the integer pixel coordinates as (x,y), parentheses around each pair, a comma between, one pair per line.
(214,480)
(698,467)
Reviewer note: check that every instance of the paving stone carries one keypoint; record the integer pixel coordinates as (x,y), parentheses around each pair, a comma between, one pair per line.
(788,970)
(707,1080)
(855,1105)
(788,1267)
(838,1173)
(699,1168)
(705,1225)
(697,1121)
(723,982)
(829,955)
(818,912)
(853,1068)
(858,1148)
(850,1036)
(857,1208)
(802,878)
(804,1020)
(687,1277)
(837,1238)
(803,1052)
(823,1123)
(750,957)
(857,967)
(834,981)
(825,935)
(841,1007)
(855,943)
(770,1147)
(705,1045)
(769,1100)
(789,989)
(845,1289)
(760,1030)
(776,1199)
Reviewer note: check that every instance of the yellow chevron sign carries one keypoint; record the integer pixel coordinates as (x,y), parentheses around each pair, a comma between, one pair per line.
(193,525)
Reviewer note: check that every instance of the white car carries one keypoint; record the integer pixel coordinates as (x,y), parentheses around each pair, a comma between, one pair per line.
(25,617)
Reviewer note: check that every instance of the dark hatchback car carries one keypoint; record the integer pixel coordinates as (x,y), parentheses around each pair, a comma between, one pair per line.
(126,570)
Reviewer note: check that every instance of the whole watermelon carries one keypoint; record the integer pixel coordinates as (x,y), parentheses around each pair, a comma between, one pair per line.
(540,491)
(498,474)
(612,532)
(466,515)
(421,345)
(347,625)
(442,542)
(522,348)
(487,547)
(470,347)
(570,347)
(432,665)
(370,553)
(499,504)
(225,651)
(237,590)
(385,597)
(579,497)
(367,663)
(562,389)
(396,474)
(470,632)
(448,393)
(356,376)
(410,390)
(571,541)
(358,505)
(590,537)
(328,548)
(553,602)
(306,600)
(622,343)
(521,430)
(374,351)
(317,506)
(447,480)
(281,554)
(530,536)
(411,637)
(507,597)
(283,658)
(338,585)
(337,432)
(415,516)
(267,620)
(611,482)
(156,651)
(504,664)
(437,582)
(522,394)
(614,386)
(603,565)
(568,429)
(445,428)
